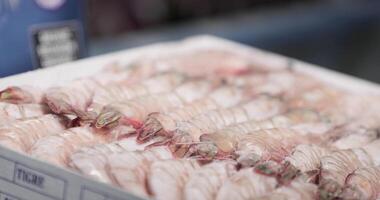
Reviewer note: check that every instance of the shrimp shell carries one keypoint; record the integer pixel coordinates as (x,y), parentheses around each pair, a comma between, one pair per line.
(22,111)
(206,181)
(246,185)
(355,139)
(21,95)
(56,149)
(296,191)
(133,112)
(304,161)
(259,108)
(167,178)
(269,144)
(76,96)
(225,139)
(165,123)
(21,135)
(306,157)
(129,169)
(121,92)
(201,62)
(336,167)
(91,161)
(363,184)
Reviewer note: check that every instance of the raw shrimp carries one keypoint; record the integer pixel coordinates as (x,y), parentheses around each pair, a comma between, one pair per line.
(57,148)
(336,167)
(261,145)
(129,169)
(340,106)
(91,161)
(201,63)
(21,135)
(269,144)
(206,181)
(246,185)
(22,111)
(163,124)
(363,184)
(167,178)
(190,131)
(297,190)
(281,83)
(304,161)
(21,94)
(76,96)
(356,138)
(121,92)
(133,112)
(227,138)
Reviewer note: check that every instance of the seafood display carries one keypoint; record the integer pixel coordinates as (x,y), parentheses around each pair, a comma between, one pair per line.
(209,124)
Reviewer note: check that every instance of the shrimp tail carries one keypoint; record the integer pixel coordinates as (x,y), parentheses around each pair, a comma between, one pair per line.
(287,174)
(108,118)
(16,95)
(85,117)
(151,128)
(58,106)
(248,160)
(329,190)
(268,168)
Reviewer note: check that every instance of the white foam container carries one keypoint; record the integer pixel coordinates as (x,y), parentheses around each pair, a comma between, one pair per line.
(25,178)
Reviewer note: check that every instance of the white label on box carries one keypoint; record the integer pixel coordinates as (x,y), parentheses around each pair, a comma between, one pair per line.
(39,182)
(90,195)
(6,169)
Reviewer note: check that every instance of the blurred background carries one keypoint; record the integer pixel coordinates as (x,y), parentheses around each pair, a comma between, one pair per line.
(340,34)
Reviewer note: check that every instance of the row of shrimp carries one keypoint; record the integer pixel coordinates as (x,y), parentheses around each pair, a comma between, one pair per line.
(203,125)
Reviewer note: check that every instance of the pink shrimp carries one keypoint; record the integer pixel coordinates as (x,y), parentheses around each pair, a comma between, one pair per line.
(255,146)
(167,178)
(201,62)
(205,182)
(56,149)
(133,112)
(336,167)
(20,136)
(303,161)
(281,83)
(340,106)
(163,124)
(121,92)
(227,138)
(129,169)
(190,131)
(297,190)
(91,161)
(22,111)
(246,185)
(302,120)
(355,138)
(75,97)
(269,144)
(363,184)
(21,94)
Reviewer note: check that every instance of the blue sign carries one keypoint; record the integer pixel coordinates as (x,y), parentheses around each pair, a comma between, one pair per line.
(39,33)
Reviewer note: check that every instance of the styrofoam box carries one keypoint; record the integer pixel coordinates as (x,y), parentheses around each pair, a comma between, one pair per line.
(24,178)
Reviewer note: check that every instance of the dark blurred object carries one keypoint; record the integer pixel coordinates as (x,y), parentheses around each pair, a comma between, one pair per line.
(340,34)
(112,17)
